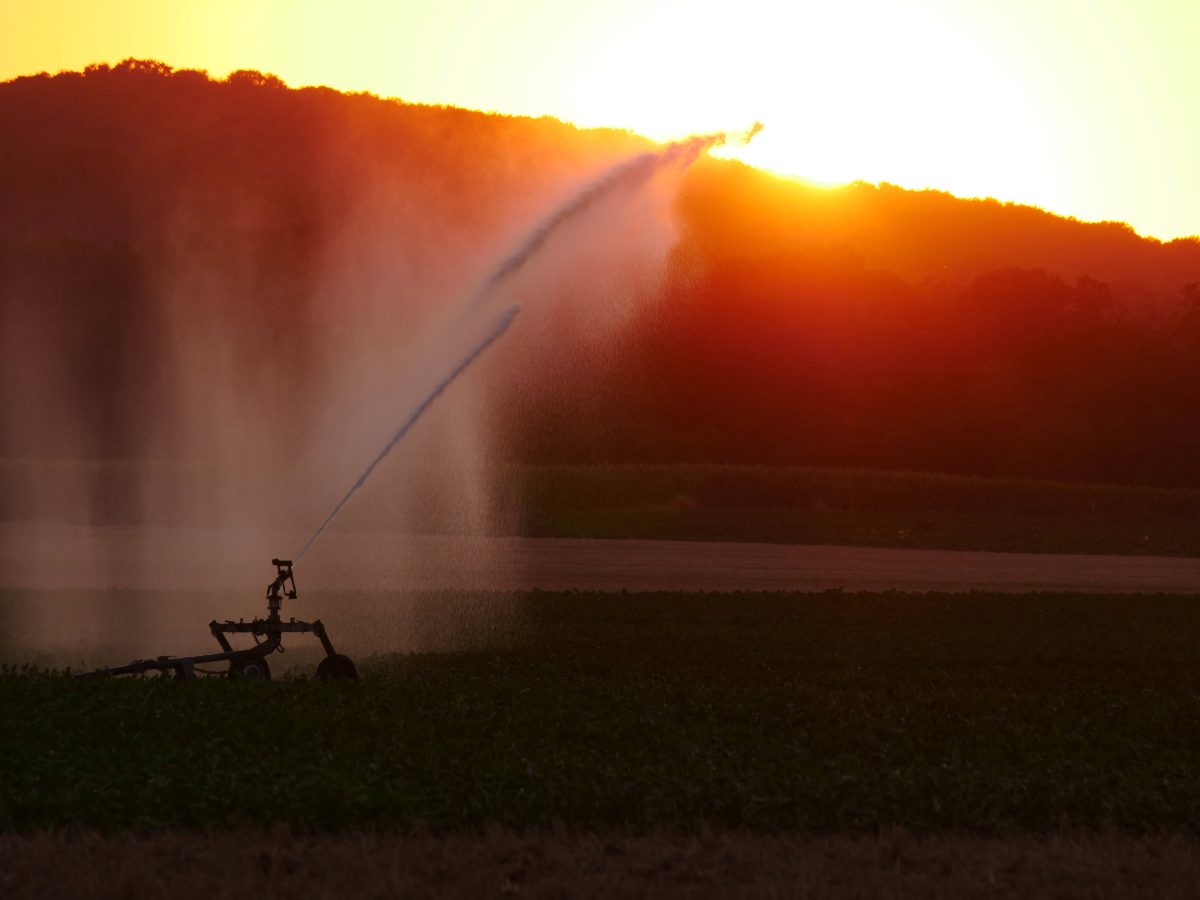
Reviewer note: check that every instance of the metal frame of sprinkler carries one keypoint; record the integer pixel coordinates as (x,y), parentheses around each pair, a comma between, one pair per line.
(251,663)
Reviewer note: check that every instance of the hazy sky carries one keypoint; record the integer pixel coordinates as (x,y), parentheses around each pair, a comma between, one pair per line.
(1087,107)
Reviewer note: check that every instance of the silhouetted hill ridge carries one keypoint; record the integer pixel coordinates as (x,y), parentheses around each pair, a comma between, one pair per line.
(104,153)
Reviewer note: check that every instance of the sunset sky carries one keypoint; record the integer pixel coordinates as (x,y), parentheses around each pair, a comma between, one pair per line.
(1085,107)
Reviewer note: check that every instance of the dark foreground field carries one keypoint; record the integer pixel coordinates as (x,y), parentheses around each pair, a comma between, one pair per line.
(987,722)
(558,864)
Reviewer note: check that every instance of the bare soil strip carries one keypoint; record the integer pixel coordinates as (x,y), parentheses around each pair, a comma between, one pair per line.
(90,558)
(560,864)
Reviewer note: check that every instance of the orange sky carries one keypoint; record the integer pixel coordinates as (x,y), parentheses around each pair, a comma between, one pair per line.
(1084,107)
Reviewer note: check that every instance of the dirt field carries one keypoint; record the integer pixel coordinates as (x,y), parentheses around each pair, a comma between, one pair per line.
(569,864)
(91,558)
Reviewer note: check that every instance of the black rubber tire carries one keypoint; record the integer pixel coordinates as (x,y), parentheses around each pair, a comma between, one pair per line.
(253,669)
(337,667)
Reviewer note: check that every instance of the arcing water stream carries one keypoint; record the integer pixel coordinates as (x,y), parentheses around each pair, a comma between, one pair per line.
(218,511)
(631,174)
(498,327)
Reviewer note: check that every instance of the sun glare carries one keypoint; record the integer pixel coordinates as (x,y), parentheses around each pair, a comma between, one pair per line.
(912,99)
(1081,108)
(859,91)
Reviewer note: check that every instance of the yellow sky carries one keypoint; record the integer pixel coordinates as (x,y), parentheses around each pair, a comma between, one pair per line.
(1085,107)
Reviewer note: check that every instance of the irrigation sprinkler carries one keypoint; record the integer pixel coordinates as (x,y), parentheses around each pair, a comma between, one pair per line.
(250,663)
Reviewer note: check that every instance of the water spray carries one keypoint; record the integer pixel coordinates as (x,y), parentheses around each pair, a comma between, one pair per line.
(267,633)
(501,324)
(630,174)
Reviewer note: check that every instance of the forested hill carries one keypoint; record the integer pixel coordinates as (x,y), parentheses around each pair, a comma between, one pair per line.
(119,155)
(105,154)
(929,234)
(865,326)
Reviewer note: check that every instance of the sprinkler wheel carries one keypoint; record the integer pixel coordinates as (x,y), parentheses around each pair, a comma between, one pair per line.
(337,667)
(253,669)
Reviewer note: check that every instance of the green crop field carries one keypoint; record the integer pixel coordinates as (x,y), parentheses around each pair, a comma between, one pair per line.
(846,506)
(633,713)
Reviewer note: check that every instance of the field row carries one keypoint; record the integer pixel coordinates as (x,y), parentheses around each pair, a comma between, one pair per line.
(563,863)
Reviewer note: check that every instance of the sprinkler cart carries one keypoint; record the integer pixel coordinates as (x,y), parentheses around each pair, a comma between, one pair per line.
(251,663)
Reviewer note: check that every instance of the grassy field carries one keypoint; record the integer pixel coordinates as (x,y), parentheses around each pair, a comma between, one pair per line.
(683,502)
(639,713)
(860,508)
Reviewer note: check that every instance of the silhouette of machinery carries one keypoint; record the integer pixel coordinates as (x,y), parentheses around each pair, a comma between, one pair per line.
(251,663)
